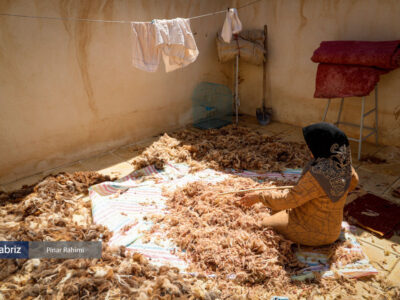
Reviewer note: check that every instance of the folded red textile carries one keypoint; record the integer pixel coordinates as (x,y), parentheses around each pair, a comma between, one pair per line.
(337,81)
(352,68)
(373,213)
(384,55)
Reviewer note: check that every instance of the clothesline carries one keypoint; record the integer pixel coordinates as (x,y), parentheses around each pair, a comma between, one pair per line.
(114,21)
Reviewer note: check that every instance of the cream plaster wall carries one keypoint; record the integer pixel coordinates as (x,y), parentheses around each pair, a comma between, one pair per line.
(296,27)
(68,89)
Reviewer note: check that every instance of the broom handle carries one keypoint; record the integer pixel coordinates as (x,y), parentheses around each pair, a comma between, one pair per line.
(265,65)
(259,189)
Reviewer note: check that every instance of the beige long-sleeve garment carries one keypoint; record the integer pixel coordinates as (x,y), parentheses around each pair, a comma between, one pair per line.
(313,218)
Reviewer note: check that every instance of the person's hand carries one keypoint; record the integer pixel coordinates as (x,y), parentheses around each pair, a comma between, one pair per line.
(249,200)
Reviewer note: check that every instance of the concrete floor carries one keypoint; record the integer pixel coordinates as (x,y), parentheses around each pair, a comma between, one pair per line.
(379,179)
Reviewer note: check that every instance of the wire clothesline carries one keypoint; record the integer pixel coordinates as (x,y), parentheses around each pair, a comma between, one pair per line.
(114,21)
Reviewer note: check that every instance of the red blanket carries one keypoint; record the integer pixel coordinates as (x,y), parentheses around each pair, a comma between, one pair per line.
(373,213)
(351,68)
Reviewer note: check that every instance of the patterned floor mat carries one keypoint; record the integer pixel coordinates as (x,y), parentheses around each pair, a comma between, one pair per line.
(123,205)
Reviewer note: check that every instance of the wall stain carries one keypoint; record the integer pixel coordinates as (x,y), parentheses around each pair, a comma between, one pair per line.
(4,6)
(107,9)
(8,42)
(80,32)
(396,112)
(304,20)
(274,10)
(64,8)
(226,74)
(82,39)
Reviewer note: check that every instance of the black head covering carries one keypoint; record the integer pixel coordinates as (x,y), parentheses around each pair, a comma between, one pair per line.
(331,165)
(321,136)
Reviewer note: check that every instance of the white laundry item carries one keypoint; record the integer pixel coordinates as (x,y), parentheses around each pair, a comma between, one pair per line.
(232,25)
(145,54)
(171,39)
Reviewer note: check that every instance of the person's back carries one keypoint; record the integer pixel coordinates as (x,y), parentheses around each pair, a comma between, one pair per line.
(319,220)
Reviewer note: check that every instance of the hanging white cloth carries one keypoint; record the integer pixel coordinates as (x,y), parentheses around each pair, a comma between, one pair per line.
(145,55)
(232,25)
(171,39)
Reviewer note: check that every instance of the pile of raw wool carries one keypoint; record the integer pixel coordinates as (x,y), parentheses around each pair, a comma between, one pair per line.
(55,209)
(50,210)
(340,254)
(220,238)
(64,184)
(230,147)
(119,274)
(226,240)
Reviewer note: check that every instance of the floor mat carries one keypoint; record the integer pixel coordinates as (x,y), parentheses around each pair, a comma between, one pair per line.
(374,214)
(124,206)
(317,258)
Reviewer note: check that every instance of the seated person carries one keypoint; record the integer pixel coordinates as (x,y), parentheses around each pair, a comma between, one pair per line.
(311,213)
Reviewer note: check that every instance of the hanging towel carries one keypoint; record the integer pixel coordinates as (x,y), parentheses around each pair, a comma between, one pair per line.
(171,39)
(232,25)
(145,54)
(175,38)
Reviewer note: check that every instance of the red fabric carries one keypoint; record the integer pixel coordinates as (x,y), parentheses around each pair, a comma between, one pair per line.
(352,68)
(382,55)
(337,81)
(374,213)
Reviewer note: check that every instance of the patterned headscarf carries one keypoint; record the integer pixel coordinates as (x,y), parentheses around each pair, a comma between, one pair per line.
(331,165)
